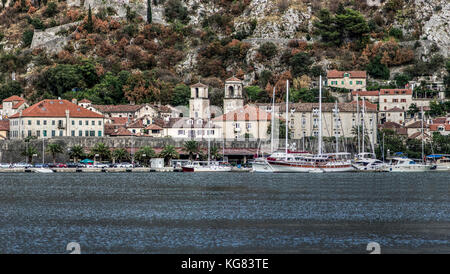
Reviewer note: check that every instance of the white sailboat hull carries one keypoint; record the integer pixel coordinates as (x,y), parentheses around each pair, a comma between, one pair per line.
(408,168)
(43,170)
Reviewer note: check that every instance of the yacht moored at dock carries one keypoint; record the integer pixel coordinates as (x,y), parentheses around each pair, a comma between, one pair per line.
(403,164)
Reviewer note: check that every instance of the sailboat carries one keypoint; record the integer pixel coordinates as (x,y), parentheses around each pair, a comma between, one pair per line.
(303,162)
(207,166)
(404,164)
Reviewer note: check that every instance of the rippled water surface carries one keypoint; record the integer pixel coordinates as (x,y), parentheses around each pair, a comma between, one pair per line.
(225,213)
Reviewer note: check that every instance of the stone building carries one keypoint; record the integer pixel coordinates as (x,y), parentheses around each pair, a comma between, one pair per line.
(340,120)
(56,118)
(4,129)
(250,122)
(351,80)
(233,98)
(11,106)
(199,102)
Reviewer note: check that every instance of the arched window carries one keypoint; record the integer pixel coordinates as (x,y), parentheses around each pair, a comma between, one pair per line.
(196,92)
(231,91)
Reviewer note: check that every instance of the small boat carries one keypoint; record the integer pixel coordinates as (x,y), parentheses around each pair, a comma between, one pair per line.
(43,170)
(368,162)
(203,166)
(442,161)
(403,164)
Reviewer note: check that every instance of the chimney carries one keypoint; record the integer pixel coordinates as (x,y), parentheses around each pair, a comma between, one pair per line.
(74,100)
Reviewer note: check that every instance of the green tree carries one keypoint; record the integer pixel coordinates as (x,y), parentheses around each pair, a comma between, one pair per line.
(120,154)
(28,152)
(300,64)
(51,9)
(54,149)
(109,90)
(326,27)
(89,26)
(253,93)
(191,147)
(413,109)
(76,152)
(268,50)
(174,10)
(401,80)
(144,155)
(149,12)
(27,37)
(168,153)
(214,152)
(102,150)
(378,70)
(181,95)
(9,89)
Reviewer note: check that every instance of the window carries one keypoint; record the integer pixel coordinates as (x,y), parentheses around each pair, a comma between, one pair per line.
(53,122)
(249,126)
(73,133)
(87,123)
(73,122)
(180,132)
(80,123)
(53,133)
(29,133)
(38,133)
(44,133)
(99,133)
(385,100)
(38,122)
(86,133)
(45,122)
(403,100)
(93,123)
(351,82)
(29,122)
(100,123)
(61,133)
(342,82)
(92,133)
(80,133)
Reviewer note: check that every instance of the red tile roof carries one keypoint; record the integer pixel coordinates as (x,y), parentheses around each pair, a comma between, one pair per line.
(4,125)
(435,127)
(440,120)
(395,92)
(247,113)
(368,105)
(340,74)
(139,123)
(56,108)
(199,85)
(417,134)
(390,125)
(16,106)
(118,120)
(121,131)
(153,127)
(13,98)
(395,109)
(117,108)
(233,79)
(366,93)
(417,124)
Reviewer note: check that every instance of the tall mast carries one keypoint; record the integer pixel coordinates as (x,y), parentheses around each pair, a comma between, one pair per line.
(272,121)
(43,151)
(287,117)
(320,116)
(358,120)
(422,135)
(336,126)
(363,126)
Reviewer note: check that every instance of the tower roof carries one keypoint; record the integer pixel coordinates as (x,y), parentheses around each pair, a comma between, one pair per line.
(199,85)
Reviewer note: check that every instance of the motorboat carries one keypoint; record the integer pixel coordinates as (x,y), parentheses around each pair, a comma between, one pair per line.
(368,162)
(204,166)
(43,170)
(441,161)
(404,164)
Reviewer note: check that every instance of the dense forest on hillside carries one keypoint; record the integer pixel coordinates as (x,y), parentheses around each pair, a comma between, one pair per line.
(110,59)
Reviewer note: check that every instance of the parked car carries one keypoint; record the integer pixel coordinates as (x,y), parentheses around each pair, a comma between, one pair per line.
(59,165)
(5,165)
(52,165)
(101,165)
(74,165)
(41,165)
(22,165)
(124,165)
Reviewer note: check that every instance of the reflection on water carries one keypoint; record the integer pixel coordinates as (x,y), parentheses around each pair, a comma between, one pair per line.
(224,213)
